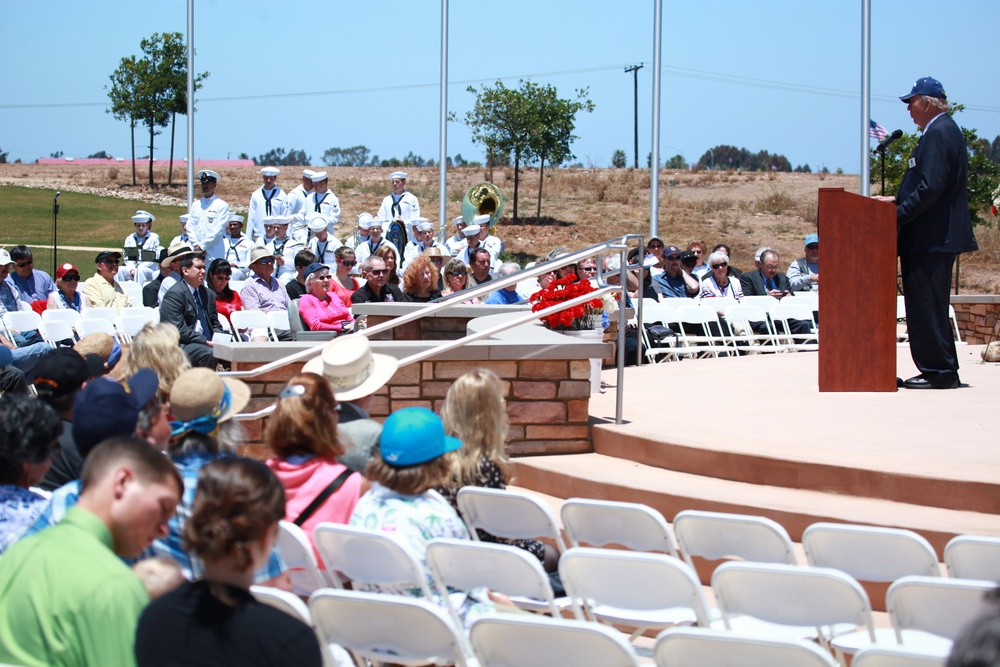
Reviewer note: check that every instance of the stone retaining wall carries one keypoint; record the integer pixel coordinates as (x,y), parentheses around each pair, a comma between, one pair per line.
(976,315)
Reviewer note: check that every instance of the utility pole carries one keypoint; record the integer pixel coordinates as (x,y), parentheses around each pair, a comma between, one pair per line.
(635,88)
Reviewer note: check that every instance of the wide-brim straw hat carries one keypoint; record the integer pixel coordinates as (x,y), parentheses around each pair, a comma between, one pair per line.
(351,368)
(175,252)
(198,392)
(260,252)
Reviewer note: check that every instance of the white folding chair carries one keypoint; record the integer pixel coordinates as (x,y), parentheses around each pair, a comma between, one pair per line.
(954,324)
(67,315)
(706,343)
(236,285)
(901,336)
(279,319)
(699,647)
(973,557)
(717,535)
(130,324)
(22,320)
(133,290)
(634,589)
(601,522)
(897,656)
(869,553)
(370,557)
(660,312)
(928,613)
(88,325)
(55,331)
(789,309)
(794,602)
(740,317)
(387,628)
(464,565)
(109,314)
(245,320)
(763,301)
(537,641)
(303,568)
(292,604)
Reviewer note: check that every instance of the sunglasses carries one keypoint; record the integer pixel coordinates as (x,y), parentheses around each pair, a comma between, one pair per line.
(266,260)
(71,279)
(346,262)
(378,272)
(22,265)
(811,246)
(589,269)
(438,261)
(720,266)
(458,274)
(655,246)
(112,262)
(673,258)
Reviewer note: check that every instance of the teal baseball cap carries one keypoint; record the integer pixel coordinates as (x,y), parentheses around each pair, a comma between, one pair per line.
(414,435)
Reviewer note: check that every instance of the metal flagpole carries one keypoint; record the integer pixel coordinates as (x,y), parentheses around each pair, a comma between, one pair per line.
(190,104)
(866,86)
(443,130)
(654,167)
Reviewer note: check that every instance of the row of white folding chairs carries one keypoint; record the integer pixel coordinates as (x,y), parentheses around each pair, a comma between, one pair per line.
(122,323)
(903,336)
(244,320)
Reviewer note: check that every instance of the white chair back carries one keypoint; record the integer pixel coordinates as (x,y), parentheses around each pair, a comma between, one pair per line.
(534,641)
(717,535)
(251,319)
(369,557)
(897,656)
(292,604)
(22,320)
(54,331)
(88,325)
(869,553)
(109,314)
(297,552)
(67,315)
(602,522)
(507,513)
(697,647)
(973,557)
(279,319)
(763,301)
(928,613)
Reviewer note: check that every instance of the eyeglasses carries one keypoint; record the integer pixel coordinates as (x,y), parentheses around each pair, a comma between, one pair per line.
(811,246)
(266,260)
(720,266)
(346,262)
(673,258)
(71,279)
(697,252)
(112,262)
(326,277)
(378,272)
(458,274)
(22,265)
(655,246)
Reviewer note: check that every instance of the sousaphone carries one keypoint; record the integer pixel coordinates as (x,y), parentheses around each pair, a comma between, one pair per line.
(483,199)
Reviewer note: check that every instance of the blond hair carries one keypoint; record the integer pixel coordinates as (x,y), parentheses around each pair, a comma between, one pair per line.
(157,347)
(475,412)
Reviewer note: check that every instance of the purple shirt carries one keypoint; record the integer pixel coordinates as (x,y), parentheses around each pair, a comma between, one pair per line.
(35,287)
(258,295)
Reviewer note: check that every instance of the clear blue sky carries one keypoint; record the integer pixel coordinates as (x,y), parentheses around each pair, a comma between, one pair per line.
(780,75)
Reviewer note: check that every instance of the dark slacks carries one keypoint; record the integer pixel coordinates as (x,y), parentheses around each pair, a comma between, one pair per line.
(926,282)
(199,354)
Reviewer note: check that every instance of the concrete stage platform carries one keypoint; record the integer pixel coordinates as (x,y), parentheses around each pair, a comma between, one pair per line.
(754,434)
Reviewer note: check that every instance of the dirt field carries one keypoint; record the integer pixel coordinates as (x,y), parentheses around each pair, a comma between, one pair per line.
(580,206)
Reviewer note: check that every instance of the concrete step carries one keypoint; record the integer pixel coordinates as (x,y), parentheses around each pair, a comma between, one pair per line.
(669,492)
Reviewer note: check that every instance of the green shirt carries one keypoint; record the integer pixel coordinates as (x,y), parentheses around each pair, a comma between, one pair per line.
(67,599)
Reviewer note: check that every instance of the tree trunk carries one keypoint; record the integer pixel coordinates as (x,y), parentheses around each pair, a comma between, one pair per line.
(517,169)
(489,160)
(173,129)
(152,131)
(541,180)
(132,125)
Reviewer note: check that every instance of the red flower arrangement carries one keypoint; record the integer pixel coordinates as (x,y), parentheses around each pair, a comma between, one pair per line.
(578,318)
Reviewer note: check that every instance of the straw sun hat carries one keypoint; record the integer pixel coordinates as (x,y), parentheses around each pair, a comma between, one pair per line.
(353,371)
(199,392)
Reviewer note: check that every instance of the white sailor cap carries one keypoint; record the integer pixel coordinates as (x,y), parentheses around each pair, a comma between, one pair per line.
(270,171)
(470,231)
(364,219)
(208,175)
(141,217)
(317,222)
(276,219)
(459,221)
(184,218)
(481,220)
(318,176)
(235,218)
(422,224)
(372,223)
(760,252)
(308,173)
(397,174)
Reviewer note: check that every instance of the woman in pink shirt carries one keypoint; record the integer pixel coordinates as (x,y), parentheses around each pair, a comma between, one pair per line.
(343,283)
(321,308)
(302,432)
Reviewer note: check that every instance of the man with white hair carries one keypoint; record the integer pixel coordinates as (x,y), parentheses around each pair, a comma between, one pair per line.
(400,204)
(267,200)
(322,200)
(209,216)
(505,296)
(142,241)
(423,234)
(323,244)
(296,205)
(238,247)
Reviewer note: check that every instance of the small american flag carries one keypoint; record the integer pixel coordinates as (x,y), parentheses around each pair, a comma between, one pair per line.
(876,131)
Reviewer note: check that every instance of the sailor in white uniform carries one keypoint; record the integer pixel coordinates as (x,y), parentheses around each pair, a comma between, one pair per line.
(400,205)
(423,230)
(209,216)
(295,206)
(456,244)
(238,246)
(321,200)
(323,244)
(374,242)
(142,239)
(267,200)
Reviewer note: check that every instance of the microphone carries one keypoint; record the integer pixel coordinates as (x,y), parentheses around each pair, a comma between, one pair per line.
(57,195)
(888,140)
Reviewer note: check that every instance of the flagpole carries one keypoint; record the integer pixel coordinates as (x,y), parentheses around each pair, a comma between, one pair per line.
(866,84)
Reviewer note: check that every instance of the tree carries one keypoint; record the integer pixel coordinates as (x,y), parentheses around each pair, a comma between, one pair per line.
(730,157)
(174,70)
(618,159)
(100,155)
(280,158)
(995,150)
(57,154)
(124,93)
(3,156)
(355,156)
(554,120)
(677,162)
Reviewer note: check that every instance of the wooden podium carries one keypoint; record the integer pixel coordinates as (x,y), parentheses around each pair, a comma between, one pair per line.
(857,350)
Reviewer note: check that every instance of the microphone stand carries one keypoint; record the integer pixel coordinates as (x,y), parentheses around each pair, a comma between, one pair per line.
(55,223)
(881,160)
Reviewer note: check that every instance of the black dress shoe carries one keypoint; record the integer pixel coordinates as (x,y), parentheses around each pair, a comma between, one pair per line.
(923,382)
(899,383)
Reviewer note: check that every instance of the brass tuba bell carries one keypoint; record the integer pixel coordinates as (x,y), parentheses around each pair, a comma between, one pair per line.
(483,199)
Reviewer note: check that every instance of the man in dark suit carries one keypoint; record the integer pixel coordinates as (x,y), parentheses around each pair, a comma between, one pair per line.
(934,225)
(190,307)
(768,280)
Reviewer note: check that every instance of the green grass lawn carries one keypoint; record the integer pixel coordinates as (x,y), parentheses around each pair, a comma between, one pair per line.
(84,220)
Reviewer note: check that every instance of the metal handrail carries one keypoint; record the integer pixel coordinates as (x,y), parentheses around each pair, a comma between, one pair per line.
(619,244)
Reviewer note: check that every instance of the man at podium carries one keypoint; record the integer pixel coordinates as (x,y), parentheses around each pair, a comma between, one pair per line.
(934,225)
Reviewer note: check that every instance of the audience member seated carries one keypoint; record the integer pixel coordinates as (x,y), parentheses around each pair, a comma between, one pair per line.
(190,307)
(157,347)
(343,283)
(733,271)
(718,284)
(354,374)
(438,255)
(151,290)
(654,249)
(475,412)
(226,300)
(66,596)
(769,281)
(296,287)
(170,268)
(12,380)
(420,281)
(302,433)
(31,428)
(479,269)
(701,266)
(101,289)
(216,620)
(26,347)
(32,284)
(673,282)
(321,309)
(375,289)
(456,275)
(507,296)
(143,239)
(804,272)
(390,255)
(263,292)
(415,458)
